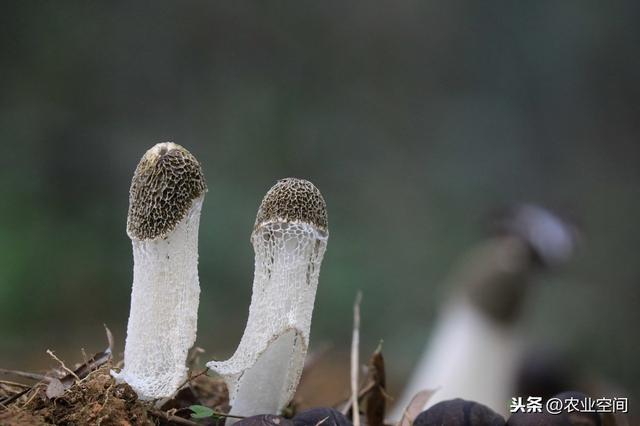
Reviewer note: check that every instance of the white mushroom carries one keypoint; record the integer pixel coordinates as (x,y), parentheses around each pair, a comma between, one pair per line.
(476,346)
(165,200)
(289,239)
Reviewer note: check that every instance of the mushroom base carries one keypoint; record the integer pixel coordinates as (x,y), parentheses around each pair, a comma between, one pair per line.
(266,386)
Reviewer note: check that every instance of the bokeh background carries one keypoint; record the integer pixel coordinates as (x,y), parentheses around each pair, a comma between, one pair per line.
(415,119)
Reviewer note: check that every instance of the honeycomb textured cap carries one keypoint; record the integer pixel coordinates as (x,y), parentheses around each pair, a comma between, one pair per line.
(164,185)
(293,200)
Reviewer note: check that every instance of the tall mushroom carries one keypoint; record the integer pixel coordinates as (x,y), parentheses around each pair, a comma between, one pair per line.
(289,239)
(165,200)
(475,348)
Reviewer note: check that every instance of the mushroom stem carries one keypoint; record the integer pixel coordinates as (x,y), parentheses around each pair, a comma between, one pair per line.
(289,240)
(166,198)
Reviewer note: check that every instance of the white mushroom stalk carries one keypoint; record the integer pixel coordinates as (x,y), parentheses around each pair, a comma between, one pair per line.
(289,239)
(165,200)
(476,346)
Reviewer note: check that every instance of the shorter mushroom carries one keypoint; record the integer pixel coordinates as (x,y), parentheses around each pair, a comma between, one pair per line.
(289,239)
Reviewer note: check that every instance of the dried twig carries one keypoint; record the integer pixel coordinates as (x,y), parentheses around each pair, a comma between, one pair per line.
(10,399)
(347,404)
(365,392)
(16,384)
(64,367)
(92,364)
(233,416)
(322,421)
(170,417)
(33,394)
(109,339)
(355,363)
(416,406)
(24,374)
(193,377)
(377,398)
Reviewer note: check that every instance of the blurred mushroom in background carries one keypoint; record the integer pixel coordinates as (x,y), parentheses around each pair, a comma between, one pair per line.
(476,347)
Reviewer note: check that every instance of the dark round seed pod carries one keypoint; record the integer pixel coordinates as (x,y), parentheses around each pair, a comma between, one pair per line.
(265,420)
(537,419)
(316,415)
(459,412)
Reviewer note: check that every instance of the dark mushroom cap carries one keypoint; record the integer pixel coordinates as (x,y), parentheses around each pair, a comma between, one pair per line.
(265,420)
(459,412)
(164,185)
(293,200)
(328,417)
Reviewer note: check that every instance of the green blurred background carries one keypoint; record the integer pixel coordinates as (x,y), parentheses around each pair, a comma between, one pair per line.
(415,119)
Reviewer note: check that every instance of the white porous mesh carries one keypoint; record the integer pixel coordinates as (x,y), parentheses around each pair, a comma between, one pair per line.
(264,372)
(164,309)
